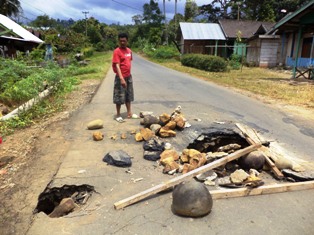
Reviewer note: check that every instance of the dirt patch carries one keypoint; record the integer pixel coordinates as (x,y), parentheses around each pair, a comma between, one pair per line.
(30,159)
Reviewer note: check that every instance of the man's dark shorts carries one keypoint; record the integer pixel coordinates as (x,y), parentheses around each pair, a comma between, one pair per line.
(122,95)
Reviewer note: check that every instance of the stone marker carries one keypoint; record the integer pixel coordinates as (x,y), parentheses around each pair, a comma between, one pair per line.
(95,124)
(191,199)
(118,158)
(65,207)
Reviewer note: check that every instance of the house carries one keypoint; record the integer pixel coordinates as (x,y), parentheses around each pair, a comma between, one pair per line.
(262,49)
(201,38)
(296,31)
(14,37)
(237,32)
(223,39)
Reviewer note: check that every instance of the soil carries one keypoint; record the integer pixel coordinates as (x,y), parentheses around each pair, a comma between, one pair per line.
(29,159)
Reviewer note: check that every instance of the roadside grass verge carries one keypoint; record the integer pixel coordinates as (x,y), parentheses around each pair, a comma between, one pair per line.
(97,67)
(268,83)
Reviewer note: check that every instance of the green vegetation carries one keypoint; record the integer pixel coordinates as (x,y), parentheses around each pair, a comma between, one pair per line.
(204,62)
(21,83)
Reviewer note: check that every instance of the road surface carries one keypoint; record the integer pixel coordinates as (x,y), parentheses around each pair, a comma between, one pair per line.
(159,89)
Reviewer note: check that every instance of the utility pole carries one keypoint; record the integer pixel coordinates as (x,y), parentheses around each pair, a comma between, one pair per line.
(238,3)
(85,13)
(166,28)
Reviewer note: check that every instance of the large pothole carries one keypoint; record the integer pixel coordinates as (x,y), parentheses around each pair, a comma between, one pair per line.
(217,139)
(59,201)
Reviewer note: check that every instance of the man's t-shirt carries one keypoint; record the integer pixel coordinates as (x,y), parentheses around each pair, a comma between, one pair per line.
(122,56)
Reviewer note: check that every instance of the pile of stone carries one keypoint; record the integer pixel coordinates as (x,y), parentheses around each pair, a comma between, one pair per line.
(165,125)
(233,173)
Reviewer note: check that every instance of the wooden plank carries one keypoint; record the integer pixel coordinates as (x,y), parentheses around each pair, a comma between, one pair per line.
(262,190)
(163,186)
(252,138)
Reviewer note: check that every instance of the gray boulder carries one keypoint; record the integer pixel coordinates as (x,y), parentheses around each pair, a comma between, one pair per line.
(118,158)
(191,199)
(152,155)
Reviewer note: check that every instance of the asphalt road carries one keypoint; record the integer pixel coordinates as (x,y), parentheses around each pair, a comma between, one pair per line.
(205,100)
(159,89)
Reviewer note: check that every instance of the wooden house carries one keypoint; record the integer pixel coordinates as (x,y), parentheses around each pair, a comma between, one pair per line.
(237,32)
(14,37)
(201,38)
(296,31)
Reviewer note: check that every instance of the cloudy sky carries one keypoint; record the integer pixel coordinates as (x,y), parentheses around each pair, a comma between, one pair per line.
(106,11)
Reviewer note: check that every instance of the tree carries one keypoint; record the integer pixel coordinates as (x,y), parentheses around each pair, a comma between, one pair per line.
(260,10)
(190,10)
(210,12)
(152,14)
(10,7)
(137,19)
(288,6)
(44,22)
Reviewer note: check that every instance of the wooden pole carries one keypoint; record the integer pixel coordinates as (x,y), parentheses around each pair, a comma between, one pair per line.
(297,53)
(163,186)
(267,189)
(252,138)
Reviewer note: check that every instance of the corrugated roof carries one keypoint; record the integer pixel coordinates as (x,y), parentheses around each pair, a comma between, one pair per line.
(201,31)
(289,18)
(247,27)
(18,30)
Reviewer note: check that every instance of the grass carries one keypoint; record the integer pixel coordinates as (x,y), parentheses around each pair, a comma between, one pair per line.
(97,67)
(265,82)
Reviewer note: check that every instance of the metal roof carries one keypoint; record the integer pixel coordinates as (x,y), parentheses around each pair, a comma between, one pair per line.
(201,31)
(18,30)
(294,17)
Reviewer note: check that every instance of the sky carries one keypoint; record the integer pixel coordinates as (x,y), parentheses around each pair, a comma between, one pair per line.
(106,11)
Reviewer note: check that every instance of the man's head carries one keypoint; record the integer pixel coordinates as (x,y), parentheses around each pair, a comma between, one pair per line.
(123,39)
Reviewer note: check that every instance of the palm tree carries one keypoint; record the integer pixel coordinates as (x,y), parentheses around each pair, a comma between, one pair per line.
(10,7)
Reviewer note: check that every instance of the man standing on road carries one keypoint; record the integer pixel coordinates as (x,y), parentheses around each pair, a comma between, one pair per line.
(123,84)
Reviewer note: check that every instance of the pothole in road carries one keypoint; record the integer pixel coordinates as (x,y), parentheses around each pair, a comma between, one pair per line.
(60,201)
(218,140)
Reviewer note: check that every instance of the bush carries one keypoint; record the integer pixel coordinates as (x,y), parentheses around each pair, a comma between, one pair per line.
(165,52)
(88,52)
(235,61)
(30,86)
(12,71)
(204,62)
(100,46)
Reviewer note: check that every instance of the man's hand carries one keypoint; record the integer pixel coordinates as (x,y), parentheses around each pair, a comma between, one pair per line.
(123,83)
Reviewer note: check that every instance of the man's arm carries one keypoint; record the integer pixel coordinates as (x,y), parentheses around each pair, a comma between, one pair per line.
(123,83)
